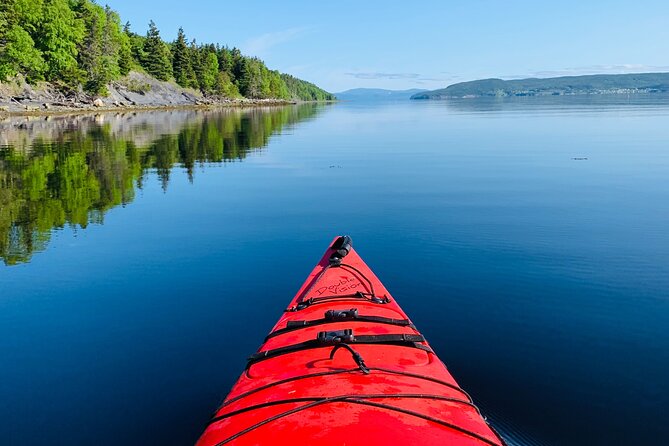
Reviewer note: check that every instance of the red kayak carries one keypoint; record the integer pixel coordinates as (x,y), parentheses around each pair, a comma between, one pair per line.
(345,366)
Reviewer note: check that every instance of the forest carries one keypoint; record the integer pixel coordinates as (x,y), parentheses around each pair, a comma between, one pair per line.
(79,44)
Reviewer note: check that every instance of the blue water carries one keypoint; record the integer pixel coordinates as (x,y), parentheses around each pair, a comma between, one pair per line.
(526,238)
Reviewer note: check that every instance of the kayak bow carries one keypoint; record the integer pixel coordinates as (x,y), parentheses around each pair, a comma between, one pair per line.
(344,365)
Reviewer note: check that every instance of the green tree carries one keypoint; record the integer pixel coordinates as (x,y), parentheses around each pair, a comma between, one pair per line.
(277,86)
(58,36)
(111,44)
(125,60)
(249,80)
(90,49)
(237,64)
(209,72)
(225,61)
(197,64)
(18,23)
(181,62)
(156,54)
(136,45)
(225,87)
(19,55)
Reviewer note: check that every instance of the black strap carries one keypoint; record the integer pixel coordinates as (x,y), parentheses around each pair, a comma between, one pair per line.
(326,339)
(350,317)
(369,297)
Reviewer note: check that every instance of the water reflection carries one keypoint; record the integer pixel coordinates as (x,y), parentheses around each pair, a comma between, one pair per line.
(59,171)
(592,103)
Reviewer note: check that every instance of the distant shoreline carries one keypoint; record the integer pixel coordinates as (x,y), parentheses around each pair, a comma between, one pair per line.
(595,84)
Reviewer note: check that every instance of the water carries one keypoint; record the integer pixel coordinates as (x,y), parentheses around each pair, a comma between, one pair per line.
(147,254)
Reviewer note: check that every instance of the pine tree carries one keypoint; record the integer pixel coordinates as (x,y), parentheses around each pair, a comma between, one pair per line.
(249,80)
(90,49)
(237,64)
(156,56)
(181,63)
(125,61)
(197,65)
(111,43)
(225,61)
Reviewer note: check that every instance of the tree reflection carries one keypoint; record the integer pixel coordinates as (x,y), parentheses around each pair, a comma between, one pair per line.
(71,170)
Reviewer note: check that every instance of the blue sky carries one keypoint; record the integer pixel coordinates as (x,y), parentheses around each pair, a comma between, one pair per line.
(422,44)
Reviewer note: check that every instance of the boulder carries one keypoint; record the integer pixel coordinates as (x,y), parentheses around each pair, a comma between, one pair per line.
(98,102)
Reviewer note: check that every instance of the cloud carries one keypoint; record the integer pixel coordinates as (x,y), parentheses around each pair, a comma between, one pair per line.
(259,45)
(377,75)
(592,69)
(416,77)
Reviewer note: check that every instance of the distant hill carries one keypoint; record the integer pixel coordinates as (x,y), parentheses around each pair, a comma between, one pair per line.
(358,94)
(565,85)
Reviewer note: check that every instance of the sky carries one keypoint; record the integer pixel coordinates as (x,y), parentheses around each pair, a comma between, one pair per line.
(422,44)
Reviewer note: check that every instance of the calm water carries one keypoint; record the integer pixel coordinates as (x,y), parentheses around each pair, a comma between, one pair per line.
(147,254)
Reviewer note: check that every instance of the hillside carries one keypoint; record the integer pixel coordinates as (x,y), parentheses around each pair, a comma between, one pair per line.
(81,47)
(565,85)
(358,94)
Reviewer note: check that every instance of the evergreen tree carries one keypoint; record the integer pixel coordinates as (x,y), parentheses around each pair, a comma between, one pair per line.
(156,56)
(197,65)
(111,45)
(125,60)
(225,62)
(90,49)
(237,64)
(181,61)
(136,43)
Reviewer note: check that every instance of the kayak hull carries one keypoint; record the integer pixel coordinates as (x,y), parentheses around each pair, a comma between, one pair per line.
(344,365)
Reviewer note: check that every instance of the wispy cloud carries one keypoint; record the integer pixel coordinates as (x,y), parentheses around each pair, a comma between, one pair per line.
(592,69)
(416,77)
(378,75)
(259,45)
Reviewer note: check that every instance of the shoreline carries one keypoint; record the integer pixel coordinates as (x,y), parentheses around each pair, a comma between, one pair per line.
(6,112)
(135,92)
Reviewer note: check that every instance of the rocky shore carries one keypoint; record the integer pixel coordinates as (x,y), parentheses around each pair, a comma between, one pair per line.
(136,91)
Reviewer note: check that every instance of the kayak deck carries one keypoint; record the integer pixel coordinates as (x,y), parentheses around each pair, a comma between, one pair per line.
(344,365)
